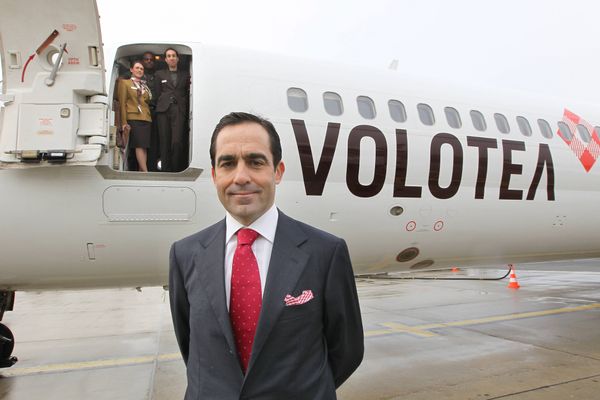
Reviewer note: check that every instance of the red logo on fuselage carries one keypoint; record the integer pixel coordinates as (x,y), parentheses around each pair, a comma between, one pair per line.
(587,153)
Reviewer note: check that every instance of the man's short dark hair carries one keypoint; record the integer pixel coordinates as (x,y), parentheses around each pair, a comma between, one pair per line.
(170,48)
(236,118)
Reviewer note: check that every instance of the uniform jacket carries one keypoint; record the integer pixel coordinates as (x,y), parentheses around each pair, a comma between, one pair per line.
(129,101)
(167,93)
(301,352)
(149,78)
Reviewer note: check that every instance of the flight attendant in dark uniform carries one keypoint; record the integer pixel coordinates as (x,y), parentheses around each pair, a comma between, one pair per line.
(134,99)
(172,94)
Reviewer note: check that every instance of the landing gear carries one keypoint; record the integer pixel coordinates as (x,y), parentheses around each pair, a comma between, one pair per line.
(7,344)
(7,339)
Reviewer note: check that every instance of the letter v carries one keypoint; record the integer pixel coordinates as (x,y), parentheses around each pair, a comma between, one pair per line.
(314,179)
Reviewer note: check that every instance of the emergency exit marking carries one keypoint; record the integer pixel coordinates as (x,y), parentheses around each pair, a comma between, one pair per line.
(45,121)
(73,61)
(69,27)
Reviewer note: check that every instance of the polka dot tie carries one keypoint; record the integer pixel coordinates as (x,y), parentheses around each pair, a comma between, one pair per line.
(246,297)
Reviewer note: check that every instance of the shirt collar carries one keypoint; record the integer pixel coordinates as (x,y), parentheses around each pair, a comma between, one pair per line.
(265,225)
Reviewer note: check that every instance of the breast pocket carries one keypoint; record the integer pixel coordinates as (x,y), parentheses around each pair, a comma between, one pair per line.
(309,310)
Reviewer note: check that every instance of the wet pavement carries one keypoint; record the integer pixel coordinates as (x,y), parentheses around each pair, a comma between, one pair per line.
(425,339)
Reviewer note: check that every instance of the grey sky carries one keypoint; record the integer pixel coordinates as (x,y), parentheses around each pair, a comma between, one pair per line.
(545,46)
(542,46)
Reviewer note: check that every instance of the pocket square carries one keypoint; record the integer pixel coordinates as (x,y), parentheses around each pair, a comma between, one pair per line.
(305,297)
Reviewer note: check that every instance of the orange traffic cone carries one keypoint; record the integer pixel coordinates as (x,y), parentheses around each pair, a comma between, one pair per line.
(513,284)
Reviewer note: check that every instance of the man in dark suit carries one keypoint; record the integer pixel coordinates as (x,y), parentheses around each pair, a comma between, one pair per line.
(172,97)
(264,306)
(148,60)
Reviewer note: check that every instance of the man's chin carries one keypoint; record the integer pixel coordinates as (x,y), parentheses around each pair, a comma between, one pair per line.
(240,209)
(243,200)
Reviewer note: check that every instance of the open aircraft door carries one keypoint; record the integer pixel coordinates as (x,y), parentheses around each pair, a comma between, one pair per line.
(55,104)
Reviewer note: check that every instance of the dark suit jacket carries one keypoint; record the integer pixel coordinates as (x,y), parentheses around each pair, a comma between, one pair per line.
(166,93)
(149,78)
(300,352)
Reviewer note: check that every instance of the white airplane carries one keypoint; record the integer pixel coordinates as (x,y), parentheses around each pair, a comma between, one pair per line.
(413,175)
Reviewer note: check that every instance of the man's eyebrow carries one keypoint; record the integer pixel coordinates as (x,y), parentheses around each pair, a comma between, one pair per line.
(256,156)
(225,157)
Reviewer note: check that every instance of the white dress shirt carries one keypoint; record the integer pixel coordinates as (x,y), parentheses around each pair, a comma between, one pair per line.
(262,247)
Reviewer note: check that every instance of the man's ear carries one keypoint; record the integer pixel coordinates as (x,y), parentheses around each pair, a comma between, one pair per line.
(279,170)
(212,173)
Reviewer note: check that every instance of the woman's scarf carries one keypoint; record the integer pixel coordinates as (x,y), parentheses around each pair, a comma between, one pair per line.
(141,87)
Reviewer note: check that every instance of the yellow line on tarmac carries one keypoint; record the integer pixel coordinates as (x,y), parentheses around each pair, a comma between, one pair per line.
(76,366)
(388,328)
(424,330)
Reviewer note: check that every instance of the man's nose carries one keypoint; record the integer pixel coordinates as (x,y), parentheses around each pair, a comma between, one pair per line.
(242,174)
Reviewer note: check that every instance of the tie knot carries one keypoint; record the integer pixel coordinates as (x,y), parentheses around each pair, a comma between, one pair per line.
(246,236)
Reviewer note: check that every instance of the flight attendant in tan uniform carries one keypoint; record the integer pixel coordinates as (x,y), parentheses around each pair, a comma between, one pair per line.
(134,99)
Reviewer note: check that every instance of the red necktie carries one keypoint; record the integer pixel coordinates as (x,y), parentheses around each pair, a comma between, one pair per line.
(246,297)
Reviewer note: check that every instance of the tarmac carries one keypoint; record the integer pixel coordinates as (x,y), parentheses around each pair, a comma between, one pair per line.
(460,335)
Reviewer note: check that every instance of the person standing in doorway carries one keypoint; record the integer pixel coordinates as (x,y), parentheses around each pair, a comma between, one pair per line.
(134,99)
(172,99)
(149,62)
(152,159)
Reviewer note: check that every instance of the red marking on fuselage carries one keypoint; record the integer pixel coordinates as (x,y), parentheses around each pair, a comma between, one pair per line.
(586,153)
(25,67)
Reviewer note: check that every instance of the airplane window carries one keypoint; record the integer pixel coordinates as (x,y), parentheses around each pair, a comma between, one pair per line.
(565,130)
(524,126)
(333,103)
(397,111)
(478,120)
(366,107)
(297,99)
(425,114)
(502,123)
(453,117)
(584,133)
(545,128)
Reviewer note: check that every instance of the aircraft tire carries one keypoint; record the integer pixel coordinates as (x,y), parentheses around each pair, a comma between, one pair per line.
(7,344)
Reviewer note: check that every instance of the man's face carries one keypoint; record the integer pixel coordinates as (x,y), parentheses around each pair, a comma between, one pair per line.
(148,61)
(244,175)
(171,59)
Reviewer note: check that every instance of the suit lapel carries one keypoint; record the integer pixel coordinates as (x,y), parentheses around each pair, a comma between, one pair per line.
(286,266)
(210,263)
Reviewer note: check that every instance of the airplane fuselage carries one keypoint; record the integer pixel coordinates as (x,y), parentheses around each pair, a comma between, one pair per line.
(413,174)
(404,195)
